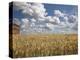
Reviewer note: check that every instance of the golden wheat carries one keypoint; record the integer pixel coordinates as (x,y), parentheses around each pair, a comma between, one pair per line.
(44,45)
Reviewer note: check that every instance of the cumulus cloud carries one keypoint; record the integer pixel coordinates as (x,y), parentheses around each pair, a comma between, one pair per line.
(57,20)
(25,23)
(39,10)
(24,7)
(65,18)
(32,24)
(50,19)
(58,13)
(25,20)
(40,21)
(75,27)
(72,22)
(72,19)
(33,20)
(49,25)
(34,9)
(16,21)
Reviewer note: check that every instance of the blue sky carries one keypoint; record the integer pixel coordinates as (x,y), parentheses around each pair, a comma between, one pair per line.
(70,9)
(64,8)
(42,17)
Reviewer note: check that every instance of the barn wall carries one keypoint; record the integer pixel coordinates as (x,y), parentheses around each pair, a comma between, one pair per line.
(16,29)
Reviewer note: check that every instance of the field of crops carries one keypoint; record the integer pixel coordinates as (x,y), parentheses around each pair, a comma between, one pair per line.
(44,45)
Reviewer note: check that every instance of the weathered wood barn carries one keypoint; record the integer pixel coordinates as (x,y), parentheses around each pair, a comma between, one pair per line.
(15,29)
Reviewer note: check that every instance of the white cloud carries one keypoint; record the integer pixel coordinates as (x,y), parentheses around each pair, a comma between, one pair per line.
(65,18)
(72,19)
(16,21)
(33,20)
(39,10)
(63,25)
(36,10)
(32,24)
(42,26)
(58,13)
(24,7)
(50,19)
(20,5)
(57,20)
(53,19)
(23,26)
(49,25)
(25,23)
(75,27)
(72,22)
(25,20)
(39,18)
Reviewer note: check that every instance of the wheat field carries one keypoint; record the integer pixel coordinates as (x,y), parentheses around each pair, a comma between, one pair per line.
(44,45)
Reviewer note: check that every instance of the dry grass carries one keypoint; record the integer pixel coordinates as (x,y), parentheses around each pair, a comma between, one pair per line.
(44,45)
